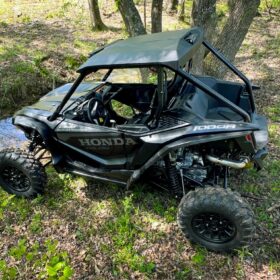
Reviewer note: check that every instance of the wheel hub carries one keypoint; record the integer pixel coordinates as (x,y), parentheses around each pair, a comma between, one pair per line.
(16,179)
(213,227)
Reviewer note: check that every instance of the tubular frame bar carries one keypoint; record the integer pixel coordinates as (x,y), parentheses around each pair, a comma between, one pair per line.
(222,58)
(67,97)
(214,94)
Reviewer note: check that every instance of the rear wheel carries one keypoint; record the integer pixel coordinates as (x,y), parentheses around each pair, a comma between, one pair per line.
(21,173)
(216,218)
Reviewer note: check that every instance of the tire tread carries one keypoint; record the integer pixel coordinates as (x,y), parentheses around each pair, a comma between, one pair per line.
(32,167)
(217,198)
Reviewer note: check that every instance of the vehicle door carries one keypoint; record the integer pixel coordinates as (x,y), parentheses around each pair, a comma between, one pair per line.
(103,144)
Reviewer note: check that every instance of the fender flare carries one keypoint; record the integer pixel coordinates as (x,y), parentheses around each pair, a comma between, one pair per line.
(26,124)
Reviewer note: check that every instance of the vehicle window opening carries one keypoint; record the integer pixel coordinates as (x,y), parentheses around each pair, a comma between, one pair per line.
(118,102)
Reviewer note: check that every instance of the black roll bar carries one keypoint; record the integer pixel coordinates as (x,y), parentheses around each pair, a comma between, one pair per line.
(214,94)
(234,70)
(67,97)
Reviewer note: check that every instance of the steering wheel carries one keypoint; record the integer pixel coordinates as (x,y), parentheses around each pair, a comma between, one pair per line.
(96,111)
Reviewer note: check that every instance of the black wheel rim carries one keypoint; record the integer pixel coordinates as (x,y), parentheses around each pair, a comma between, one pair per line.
(213,227)
(15,179)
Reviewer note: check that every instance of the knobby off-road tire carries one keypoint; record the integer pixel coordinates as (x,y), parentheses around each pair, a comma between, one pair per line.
(216,218)
(21,173)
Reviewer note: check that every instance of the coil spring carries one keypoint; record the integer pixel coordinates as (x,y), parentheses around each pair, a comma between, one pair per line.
(173,177)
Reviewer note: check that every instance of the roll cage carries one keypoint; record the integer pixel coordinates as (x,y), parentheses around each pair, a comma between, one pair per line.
(194,39)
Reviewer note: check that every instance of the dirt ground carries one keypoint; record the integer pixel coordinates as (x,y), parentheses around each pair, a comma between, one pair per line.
(87,230)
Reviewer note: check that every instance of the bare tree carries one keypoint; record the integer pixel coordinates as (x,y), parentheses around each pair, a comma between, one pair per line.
(131,17)
(156,16)
(95,16)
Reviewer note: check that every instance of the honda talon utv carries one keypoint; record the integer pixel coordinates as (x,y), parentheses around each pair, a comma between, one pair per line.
(136,111)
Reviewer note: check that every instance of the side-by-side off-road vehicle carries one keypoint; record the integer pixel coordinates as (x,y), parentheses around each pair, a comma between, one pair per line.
(137,111)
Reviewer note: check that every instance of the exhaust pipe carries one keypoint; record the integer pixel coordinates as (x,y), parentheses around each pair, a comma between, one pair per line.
(228,163)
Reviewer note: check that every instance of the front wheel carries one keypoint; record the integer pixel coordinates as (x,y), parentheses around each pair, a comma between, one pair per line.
(216,218)
(21,173)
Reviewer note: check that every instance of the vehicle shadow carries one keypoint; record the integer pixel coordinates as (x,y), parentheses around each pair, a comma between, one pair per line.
(263,250)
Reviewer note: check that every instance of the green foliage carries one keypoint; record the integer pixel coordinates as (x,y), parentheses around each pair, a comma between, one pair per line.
(122,109)
(4,204)
(124,231)
(131,258)
(72,62)
(62,184)
(273,112)
(8,273)
(268,5)
(274,134)
(18,251)
(3,24)
(35,225)
(168,212)
(26,19)
(183,274)
(18,206)
(56,262)
(152,78)
(200,257)
(20,77)
(263,216)
(84,46)
(251,188)
(51,262)
(222,9)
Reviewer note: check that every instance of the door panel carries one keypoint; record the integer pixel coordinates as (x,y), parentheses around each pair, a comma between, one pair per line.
(106,143)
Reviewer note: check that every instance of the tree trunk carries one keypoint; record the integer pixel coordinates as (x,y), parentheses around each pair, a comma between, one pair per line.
(203,15)
(172,6)
(131,17)
(95,16)
(181,10)
(241,15)
(156,16)
(145,14)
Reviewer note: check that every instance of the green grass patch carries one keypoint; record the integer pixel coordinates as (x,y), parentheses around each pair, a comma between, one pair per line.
(199,258)
(84,46)
(273,112)
(274,134)
(125,230)
(46,259)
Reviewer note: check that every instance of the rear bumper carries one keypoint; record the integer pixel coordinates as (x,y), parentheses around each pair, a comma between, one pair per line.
(259,157)
(261,135)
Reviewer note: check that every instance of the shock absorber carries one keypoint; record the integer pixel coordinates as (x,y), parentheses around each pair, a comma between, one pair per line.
(172,175)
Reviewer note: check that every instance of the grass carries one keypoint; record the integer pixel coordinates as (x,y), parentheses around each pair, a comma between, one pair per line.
(273,112)
(40,49)
(84,229)
(78,223)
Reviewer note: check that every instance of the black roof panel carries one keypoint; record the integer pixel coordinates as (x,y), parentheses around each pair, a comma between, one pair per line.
(171,48)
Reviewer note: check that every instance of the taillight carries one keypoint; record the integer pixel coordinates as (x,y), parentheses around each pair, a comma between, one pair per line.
(249,138)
